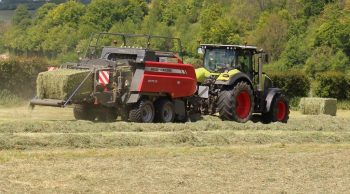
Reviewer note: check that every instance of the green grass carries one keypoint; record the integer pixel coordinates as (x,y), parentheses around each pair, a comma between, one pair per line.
(7,99)
(343,104)
(294,103)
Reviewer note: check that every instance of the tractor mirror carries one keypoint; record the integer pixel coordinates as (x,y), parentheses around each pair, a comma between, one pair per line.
(200,50)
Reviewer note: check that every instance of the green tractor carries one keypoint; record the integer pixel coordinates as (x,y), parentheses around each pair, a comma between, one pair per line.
(232,83)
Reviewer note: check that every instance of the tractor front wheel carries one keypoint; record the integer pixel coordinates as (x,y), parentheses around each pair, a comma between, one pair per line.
(84,112)
(236,104)
(142,112)
(279,111)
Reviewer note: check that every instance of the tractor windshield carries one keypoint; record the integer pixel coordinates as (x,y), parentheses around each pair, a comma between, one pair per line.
(217,60)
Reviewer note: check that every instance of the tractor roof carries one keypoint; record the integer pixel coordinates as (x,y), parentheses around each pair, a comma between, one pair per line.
(243,47)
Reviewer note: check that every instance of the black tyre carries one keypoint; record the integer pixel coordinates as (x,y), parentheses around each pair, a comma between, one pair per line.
(165,111)
(142,112)
(181,118)
(124,116)
(105,114)
(279,111)
(236,104)
(84,112)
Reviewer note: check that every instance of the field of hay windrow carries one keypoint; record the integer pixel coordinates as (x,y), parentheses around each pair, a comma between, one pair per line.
(47,151)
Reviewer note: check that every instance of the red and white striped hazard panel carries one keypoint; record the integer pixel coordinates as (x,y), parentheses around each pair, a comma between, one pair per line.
(103,77)
(52,68)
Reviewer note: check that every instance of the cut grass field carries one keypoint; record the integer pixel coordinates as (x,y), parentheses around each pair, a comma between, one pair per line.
(237,169)
(47,151)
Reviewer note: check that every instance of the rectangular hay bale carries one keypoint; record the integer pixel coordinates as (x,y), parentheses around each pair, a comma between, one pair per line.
(316,106)
(60,84)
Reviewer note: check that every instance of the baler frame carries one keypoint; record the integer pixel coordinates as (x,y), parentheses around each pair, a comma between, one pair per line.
(124,37)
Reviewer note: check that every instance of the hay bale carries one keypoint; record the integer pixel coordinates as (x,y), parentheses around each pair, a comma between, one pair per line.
(60,84)
(316,106)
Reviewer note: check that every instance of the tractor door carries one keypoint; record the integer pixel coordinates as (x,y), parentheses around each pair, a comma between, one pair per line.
(245,62)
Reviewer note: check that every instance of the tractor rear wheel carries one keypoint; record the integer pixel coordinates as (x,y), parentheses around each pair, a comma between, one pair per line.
(236,104)
(165,111)
(105,114)
(84,112)
(142,112)
(279,111)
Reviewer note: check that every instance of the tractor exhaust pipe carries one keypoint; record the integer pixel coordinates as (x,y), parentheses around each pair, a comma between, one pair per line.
(260,64)
(264,58)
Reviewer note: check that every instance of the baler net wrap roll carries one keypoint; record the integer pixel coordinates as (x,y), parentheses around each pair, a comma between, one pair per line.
(316,106)
(61,83)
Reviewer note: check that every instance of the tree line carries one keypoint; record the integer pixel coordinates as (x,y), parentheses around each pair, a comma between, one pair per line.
(31,4)
(298,34)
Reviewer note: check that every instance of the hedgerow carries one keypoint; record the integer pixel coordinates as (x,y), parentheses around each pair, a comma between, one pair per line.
(18,75)
(294,83)
(332,85)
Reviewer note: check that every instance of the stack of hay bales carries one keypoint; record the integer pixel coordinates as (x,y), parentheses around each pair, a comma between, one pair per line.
(60,84)
(316,106)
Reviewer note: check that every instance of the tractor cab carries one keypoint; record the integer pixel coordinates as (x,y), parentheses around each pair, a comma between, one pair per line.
(231,83)
(224,58)
(224,62)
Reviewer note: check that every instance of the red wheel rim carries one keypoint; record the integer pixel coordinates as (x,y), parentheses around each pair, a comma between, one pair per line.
(243,104)
(281,110)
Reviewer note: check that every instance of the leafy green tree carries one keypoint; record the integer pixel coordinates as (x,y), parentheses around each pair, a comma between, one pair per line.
(335,33)
(21,17)
(192,10)
(60,39)
(314,7)
(66,13)
(272,32)
(101,14)
(42,12)
(152,19)
(295,32)
(208,18)
(295,54)
(326,59)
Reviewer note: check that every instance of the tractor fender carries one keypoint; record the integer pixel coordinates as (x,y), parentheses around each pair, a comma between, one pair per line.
(234,79)
(270,95)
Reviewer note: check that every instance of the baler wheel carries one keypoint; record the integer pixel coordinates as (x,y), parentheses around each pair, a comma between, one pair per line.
(165,111)
(142,112)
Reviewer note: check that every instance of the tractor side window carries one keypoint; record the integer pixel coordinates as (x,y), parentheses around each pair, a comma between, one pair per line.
(219,59)
(244,61)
